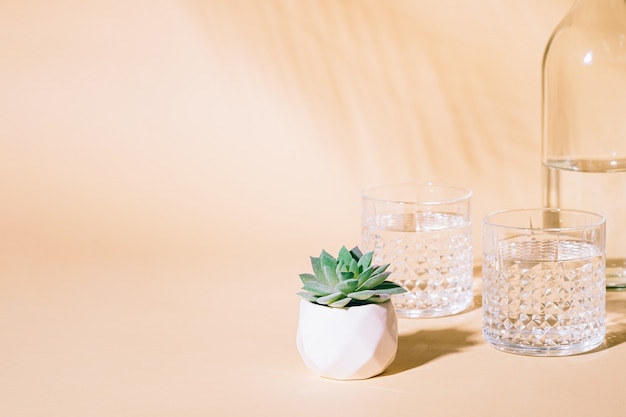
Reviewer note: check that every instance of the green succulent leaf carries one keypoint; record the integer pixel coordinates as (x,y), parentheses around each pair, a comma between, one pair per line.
(317,288)
(389,288)
(378,299)
(380,269)
(344,256)
(327,256)
(364,276)
(316,263)
(356,253)
(329,265)
(347,286)
(307,277)
(340,303)
(331,274)
(330,298)
(366,260)
(343,276)
(374,281)
(354,267)
(308,296)
(362,295)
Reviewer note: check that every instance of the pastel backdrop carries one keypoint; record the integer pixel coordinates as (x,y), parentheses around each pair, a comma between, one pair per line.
(199,143)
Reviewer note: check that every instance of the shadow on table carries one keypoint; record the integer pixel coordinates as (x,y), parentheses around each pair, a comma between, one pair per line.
(616,320)
(426,345)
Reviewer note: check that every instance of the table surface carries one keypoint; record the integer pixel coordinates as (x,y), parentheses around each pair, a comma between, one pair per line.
(159,341)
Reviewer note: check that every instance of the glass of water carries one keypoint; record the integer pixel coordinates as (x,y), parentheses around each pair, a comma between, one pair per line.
(543,281)
(424,231)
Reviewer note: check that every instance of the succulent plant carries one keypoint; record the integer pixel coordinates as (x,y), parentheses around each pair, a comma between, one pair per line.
(347,280)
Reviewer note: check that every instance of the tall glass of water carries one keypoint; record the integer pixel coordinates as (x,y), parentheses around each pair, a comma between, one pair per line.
(423,230)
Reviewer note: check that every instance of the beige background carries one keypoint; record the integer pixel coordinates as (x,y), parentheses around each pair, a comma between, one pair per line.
(147,128)
(167,167)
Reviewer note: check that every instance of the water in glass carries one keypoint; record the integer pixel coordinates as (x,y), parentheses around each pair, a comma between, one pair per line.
(430,256)
(535,305)
(598,186)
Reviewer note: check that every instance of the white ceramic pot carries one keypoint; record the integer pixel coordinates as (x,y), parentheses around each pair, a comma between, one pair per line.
(347,343)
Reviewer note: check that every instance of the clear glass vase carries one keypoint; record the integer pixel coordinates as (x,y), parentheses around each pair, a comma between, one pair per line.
(584,121)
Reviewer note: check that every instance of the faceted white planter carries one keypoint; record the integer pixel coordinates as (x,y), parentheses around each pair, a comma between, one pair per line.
(347,343)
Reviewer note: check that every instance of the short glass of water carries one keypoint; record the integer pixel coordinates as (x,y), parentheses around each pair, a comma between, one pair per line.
(544,281)
(424,231)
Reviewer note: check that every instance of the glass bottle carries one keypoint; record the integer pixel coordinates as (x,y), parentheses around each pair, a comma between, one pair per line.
(584,121)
